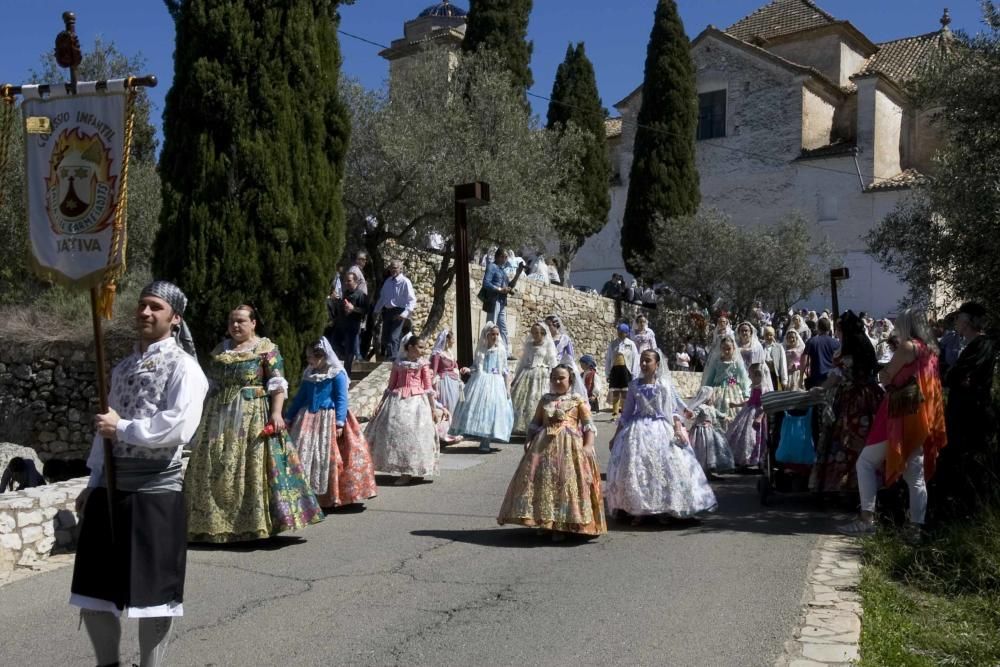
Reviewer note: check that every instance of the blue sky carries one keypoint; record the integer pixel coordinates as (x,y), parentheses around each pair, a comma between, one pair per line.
(615,32)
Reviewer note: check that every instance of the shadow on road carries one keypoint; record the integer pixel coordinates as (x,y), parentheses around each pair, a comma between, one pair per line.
(507,538)
(268,544)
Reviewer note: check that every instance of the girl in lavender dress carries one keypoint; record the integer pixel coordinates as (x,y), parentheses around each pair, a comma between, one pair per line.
(707,441)
(651,470)
(642,335)
(746,433)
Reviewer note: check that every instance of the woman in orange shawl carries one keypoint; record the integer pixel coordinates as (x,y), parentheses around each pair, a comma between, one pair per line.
(907,436)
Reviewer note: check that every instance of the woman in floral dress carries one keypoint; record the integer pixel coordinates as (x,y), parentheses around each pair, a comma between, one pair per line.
(557,485)
(244,480)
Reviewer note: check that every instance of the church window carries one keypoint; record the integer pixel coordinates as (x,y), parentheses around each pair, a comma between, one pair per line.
(712,114)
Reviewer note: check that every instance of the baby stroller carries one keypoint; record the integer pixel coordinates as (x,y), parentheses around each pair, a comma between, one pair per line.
(795,419)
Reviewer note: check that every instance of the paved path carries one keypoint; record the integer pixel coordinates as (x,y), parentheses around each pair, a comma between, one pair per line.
(424,576)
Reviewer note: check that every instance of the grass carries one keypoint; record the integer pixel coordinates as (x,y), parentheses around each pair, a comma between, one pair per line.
(936,604)
(58,315)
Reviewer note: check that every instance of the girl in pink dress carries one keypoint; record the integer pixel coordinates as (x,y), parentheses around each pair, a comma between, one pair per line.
(403,434)
(447,381)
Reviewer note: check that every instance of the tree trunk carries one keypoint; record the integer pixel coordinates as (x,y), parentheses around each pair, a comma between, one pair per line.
(443,279)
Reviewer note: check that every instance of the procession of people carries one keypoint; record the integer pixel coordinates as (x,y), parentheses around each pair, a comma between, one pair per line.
(265,461)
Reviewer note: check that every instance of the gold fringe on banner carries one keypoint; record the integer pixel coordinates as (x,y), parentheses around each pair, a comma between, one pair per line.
(6,129)
(119,238)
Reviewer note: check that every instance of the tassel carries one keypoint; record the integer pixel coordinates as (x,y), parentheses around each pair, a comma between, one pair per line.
(106,300)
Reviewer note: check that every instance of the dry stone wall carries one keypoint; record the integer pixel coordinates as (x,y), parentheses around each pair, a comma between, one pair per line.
(47,398)
(37,521)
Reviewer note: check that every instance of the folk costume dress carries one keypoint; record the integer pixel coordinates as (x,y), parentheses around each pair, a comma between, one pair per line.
(531,379)
(731,384)
(651,470)
(567,356)
(557,484)
(644,340)
(746,438)
(447,381)
(402,434)
(241,483)
(339,470)
(855,401)
(793,361)
(486,412)
(753,353)
(707,442)
(159,395)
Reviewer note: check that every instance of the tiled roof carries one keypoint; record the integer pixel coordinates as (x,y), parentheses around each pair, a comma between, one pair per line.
(781,17)
(902,59)
(902,180)
(612,127)
(836,149)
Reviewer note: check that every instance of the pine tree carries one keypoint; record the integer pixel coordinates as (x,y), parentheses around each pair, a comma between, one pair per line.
(254,141)
(502,27)
(576,102)
(664,179)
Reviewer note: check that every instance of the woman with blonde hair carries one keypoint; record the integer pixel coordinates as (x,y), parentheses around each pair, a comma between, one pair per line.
(908,431)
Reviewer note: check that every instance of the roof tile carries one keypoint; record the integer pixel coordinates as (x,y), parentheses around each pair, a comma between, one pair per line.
(780,17)
(903,59)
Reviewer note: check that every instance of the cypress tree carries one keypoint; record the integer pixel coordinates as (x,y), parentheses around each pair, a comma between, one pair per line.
(502,27)
(575,100)
(254,142)
(663,180)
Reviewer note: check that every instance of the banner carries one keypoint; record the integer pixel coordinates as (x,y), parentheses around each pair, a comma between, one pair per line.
(74,150)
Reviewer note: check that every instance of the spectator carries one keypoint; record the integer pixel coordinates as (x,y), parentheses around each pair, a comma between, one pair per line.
(682,360)
(649,297)
(908,430)
(496,287)
(358,269)
(950,343)
(818,354)
(969,415)
(613,288)
(396,302)
(347,314)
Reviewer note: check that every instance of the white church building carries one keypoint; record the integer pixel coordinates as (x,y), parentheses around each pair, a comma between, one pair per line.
(798,112)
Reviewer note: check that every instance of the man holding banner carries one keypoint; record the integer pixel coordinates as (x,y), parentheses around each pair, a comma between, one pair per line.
(136,562)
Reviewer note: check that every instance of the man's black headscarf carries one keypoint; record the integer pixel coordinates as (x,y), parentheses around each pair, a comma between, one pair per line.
(173,295)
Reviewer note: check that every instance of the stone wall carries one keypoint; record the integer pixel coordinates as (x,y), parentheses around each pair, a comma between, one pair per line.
(47,398)
(590,318)
(36,521)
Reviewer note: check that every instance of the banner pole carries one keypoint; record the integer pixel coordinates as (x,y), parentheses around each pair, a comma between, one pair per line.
(69,55)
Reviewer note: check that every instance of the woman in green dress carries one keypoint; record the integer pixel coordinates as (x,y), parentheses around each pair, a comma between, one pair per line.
(244,480)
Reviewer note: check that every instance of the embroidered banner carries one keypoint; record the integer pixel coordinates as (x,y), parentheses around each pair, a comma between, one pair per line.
(74,145)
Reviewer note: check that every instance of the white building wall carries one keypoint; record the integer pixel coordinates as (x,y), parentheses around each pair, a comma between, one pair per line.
(752,175)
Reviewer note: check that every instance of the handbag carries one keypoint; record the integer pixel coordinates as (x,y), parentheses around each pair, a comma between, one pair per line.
(906,399)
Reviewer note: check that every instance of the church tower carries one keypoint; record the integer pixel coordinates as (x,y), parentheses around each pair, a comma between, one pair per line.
(440,26)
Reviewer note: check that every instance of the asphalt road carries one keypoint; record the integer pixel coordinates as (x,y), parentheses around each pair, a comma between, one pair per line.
(424,576)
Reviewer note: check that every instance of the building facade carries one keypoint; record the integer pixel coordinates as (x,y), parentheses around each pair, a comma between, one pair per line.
(799,112)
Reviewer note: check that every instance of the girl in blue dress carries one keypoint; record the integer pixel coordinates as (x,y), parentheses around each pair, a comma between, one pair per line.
(485,412)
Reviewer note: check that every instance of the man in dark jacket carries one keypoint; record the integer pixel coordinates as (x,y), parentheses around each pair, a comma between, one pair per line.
(347,314)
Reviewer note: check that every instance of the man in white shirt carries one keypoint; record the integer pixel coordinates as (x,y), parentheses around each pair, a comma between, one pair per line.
(396,302)
(136,563)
